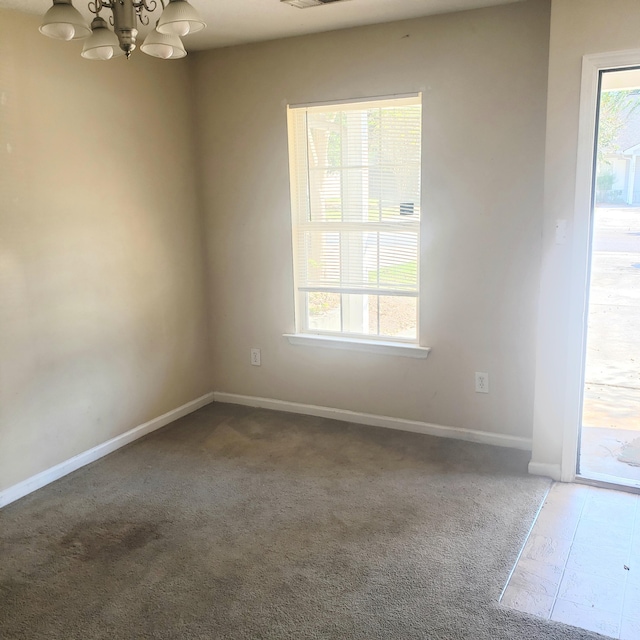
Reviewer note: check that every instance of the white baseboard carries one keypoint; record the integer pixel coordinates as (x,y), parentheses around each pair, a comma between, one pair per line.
(470,435)
(552,471)
(38,481)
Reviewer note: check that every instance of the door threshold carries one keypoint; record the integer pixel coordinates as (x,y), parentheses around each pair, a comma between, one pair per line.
(604,481)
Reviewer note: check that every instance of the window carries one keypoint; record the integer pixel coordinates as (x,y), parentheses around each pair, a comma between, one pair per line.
(355,195)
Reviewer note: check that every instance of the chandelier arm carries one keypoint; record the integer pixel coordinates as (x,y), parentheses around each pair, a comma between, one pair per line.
(148,5)
(97,5)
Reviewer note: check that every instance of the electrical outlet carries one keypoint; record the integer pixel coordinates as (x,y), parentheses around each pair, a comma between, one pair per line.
(482,382)
(255,357)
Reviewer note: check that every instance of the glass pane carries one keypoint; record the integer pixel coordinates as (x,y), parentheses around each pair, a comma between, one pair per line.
(320,266)
(325,196)
(375,205)
(325,179)
(374,315)
(371,260)
(401,137)
(399,260)
(387,316)
(355,195)
(398,317)
(323,311)
(359,314)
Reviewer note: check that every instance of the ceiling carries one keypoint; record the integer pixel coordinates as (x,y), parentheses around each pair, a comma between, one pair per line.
(232,22)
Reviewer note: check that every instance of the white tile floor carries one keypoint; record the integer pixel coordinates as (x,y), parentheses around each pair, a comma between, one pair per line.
(581,562)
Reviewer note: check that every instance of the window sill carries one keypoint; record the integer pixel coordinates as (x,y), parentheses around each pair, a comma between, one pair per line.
(354,344)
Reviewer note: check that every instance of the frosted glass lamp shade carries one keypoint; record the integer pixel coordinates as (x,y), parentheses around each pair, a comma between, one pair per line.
(102,44)
(160,45)
(64,22)
(179,18)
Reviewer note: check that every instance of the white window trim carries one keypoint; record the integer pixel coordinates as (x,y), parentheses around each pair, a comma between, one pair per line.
(382,347)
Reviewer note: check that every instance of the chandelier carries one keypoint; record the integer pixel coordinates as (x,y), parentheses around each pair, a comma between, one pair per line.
(178,18)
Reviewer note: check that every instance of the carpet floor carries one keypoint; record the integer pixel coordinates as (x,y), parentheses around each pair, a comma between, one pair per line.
(250,524)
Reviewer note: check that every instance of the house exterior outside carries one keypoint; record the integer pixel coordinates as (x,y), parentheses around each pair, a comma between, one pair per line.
(619,171)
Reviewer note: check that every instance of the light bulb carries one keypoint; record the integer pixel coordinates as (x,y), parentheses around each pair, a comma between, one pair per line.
(163,51)
(180,28)
(103,53)
(59,30)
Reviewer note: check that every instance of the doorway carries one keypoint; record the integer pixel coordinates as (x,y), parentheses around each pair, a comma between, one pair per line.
(609,449)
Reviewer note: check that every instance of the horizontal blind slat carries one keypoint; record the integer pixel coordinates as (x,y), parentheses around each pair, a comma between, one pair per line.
(361,291)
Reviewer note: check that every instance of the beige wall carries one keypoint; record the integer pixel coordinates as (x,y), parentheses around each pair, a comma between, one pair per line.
(102,319)
(578,27)
(484,78)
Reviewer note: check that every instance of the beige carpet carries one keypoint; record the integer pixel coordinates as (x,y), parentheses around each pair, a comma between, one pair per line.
(245,524)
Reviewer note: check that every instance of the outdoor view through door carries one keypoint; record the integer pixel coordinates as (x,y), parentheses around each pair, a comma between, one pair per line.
(610,435)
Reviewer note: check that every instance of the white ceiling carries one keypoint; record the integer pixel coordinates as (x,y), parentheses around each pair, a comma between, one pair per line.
(232,22)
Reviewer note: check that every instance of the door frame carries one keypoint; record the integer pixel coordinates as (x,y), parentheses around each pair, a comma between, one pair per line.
(592,65)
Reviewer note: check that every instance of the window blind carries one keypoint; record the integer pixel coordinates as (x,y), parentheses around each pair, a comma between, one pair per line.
(355,182)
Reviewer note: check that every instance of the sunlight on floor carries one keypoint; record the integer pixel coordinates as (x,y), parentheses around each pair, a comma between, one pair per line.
(581,562)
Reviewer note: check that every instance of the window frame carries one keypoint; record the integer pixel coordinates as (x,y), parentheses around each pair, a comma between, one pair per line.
(304,334)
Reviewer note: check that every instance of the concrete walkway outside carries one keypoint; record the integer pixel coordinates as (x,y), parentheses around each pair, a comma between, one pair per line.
(611,415)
